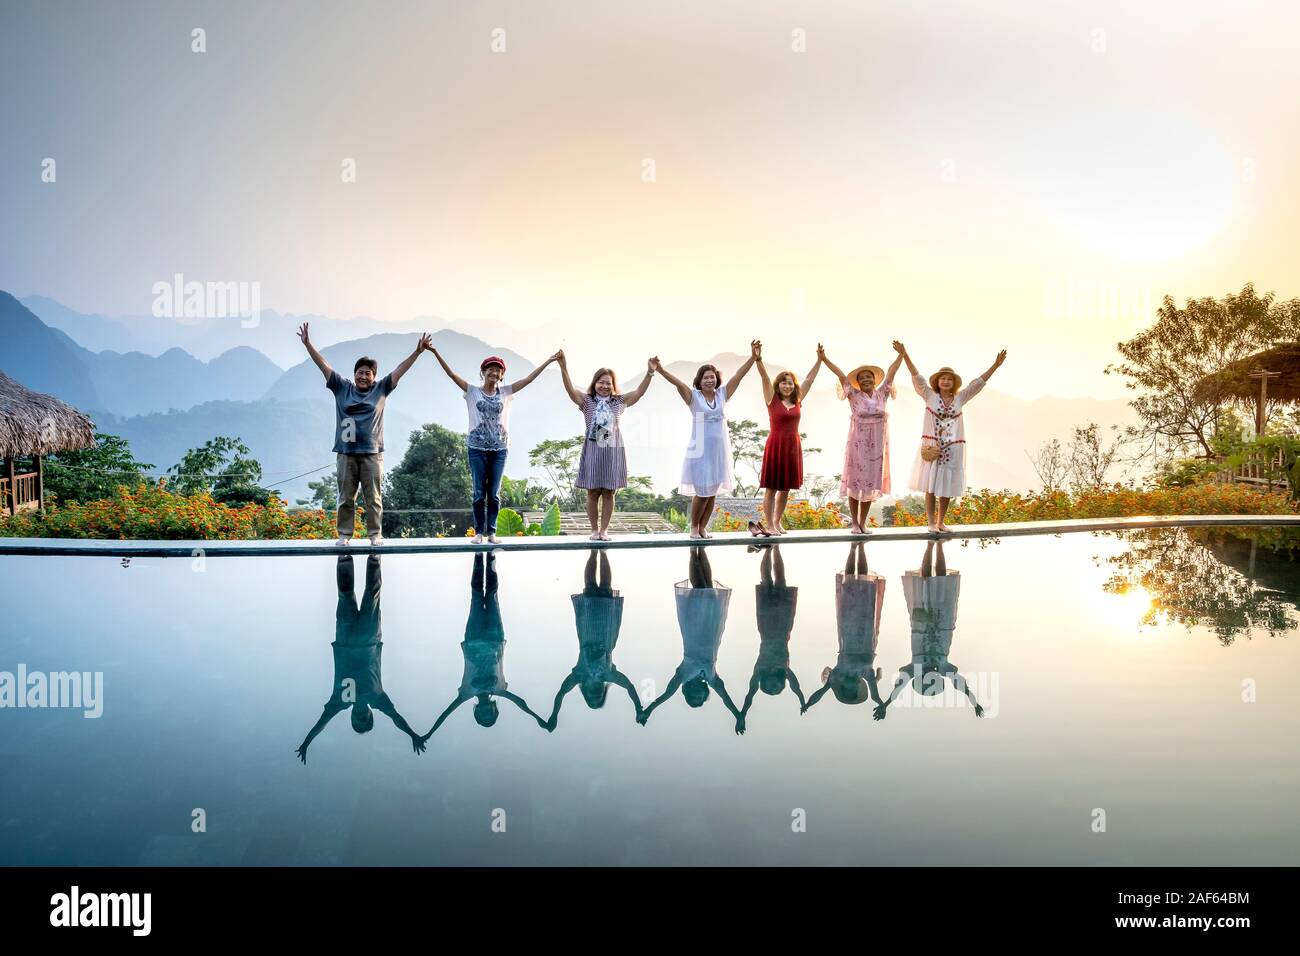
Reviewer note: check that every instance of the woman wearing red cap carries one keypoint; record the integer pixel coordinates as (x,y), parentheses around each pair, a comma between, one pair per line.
(488,436)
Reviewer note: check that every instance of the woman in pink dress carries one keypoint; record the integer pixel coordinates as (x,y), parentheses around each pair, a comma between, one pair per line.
(866,454)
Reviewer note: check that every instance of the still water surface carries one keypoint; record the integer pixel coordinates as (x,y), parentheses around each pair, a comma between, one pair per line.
(815,705)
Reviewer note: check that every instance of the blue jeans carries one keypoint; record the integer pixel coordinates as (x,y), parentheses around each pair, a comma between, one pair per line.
(486,467)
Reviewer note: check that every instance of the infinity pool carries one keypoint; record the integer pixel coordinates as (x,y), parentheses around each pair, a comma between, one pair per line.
(812,705)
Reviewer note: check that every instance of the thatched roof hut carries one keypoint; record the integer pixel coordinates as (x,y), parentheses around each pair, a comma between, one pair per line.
(33,425)
(1240,381)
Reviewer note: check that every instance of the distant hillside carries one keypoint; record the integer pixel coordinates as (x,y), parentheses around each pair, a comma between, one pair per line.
(274,335)
(42,358)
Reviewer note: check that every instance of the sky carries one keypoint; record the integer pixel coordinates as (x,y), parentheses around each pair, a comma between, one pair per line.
(671,178)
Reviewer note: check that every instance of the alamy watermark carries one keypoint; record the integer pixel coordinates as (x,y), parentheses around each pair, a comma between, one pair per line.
(179,299)
(83,690)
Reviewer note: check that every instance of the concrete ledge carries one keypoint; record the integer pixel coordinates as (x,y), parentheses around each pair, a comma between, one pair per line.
(187,549)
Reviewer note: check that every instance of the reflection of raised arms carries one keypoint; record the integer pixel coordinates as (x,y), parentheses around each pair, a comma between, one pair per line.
(683,389)
(332,707)
(634,396)
(385,706)
(753,689)
(520,384)
(321,362)
(460,382)
(671,689)
(964,686)
(519,702)
(572,681)
(460,699)
(721,688)
(755,354)
(904,677)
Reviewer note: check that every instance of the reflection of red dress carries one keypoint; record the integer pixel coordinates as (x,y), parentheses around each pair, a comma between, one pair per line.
(783,454)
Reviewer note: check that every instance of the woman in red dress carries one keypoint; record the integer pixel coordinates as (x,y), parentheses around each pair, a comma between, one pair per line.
(782,470)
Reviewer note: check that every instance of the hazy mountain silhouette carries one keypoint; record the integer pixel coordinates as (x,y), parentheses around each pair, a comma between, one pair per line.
(42,358)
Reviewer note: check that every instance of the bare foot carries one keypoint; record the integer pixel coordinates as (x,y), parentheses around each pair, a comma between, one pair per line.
(944,528)
(594,536)
(934,528)
(695,533)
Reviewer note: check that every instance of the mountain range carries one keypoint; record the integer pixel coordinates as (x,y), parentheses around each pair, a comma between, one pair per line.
(172,399)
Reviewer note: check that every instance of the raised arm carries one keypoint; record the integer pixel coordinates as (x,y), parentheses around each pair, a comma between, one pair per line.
(521,384)
(812,374)
(426,341)
(460,382)
(893,370)
(767,383)
(631,398)
(755,354)
(671,689)
(997,364)
(835,370)
(324,366)
(566,685)
(683,389)
(902,353)
(575,396)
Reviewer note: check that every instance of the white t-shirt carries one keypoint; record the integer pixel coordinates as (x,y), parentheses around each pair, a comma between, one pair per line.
(489,418)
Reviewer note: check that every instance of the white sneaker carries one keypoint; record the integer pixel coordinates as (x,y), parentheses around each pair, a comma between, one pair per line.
(478,539)
(376,540)
(341,542)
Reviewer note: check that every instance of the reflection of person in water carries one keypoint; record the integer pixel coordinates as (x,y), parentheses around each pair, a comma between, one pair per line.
(484,648)
(859,598)
(775,602)
(598,613)
(357,649)
(931,595)
(702,616)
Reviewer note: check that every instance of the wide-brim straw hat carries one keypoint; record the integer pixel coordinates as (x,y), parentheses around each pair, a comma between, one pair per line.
(946,370)
(852,377)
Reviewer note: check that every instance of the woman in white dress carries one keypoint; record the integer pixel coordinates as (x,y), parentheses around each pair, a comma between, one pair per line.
(707,469)
(939,471)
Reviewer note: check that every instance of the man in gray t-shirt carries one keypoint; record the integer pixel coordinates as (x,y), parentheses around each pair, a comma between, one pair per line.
(359,434)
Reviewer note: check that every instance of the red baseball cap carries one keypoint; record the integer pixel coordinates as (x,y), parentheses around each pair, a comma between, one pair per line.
(492,360)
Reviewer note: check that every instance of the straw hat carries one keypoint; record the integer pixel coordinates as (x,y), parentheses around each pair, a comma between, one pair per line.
(852,377)
(946,370)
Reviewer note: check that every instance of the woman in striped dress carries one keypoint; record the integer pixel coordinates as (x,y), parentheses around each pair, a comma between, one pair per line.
(602,467)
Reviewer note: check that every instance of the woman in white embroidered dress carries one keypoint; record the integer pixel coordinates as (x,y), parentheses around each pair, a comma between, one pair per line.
(940,472)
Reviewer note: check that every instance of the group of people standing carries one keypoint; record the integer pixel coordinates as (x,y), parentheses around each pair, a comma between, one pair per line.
(939,471)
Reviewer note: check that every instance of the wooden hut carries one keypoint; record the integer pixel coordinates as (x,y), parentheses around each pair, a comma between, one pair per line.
(33,425)
(1267,378)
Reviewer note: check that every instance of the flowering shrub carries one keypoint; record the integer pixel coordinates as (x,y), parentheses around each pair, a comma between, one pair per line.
(801,516)
(1117,501)
(726,521)
(154,512)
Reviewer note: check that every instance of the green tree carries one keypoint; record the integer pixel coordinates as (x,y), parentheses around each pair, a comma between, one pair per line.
(89,474)
(434,473)
(223,466)
(324,493)
(1171,365)
(558,458)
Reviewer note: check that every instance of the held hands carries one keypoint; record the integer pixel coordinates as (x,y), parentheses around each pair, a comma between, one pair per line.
(655,364)
(651,365)
(756,350)
(899,347)
(821,353)
(426,342)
